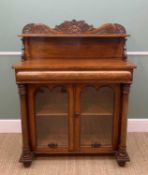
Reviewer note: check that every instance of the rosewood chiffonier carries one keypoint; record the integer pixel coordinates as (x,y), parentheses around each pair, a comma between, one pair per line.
(74,83)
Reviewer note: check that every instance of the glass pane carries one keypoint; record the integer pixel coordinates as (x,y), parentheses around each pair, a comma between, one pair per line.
(96,116)
(51,101)
(52,130)
(96,130)
(97,101)
(51,112)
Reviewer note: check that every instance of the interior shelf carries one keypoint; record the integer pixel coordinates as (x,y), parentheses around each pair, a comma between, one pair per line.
(51,115)
(96,114)
(66,114)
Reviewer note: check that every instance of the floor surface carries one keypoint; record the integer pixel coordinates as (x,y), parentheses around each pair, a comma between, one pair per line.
(10,150)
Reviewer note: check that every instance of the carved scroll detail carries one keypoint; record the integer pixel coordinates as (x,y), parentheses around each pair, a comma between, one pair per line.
(109,28)
(36,28)
(74,27)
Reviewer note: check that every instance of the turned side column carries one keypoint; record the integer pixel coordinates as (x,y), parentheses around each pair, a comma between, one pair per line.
(122,156)
(26,156)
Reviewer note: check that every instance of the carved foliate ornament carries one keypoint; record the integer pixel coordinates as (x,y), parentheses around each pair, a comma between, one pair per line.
(74,27)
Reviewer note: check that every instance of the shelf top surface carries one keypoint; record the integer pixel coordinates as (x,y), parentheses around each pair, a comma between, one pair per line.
(73,64)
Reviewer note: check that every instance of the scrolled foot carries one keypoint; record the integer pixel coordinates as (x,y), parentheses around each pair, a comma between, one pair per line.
(26,158)
(27,164)
(122,164)
(122,158)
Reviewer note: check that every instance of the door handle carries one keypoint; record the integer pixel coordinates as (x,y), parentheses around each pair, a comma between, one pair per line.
(95,145)
(53,145)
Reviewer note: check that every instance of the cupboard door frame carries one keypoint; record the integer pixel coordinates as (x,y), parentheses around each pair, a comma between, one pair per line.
(115,118)
(32,119)
(74,111)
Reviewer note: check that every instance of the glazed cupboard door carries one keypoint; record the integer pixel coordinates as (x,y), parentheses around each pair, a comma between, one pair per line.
(51,118)
(96,116)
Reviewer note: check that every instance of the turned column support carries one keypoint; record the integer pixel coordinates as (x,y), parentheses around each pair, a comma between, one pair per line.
(121,155)
(26,156)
